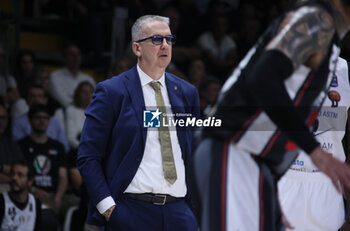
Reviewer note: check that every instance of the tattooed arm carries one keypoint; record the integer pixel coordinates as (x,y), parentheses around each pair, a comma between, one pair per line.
(304,36)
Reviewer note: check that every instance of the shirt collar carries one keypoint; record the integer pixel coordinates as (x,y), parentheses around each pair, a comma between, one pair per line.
(145,79)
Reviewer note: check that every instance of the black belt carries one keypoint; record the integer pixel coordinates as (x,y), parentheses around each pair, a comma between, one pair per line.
(157,199)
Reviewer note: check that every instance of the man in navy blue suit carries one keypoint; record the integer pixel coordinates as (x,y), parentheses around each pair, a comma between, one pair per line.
(135,175)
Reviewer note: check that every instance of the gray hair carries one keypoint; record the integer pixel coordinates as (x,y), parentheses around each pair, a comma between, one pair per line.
(137,31)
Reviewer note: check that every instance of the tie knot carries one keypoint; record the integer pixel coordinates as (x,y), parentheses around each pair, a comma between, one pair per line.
(155,86)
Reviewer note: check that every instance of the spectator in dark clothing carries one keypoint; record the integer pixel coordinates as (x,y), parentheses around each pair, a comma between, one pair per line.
(209,89)
(42,79)
(48,158)
(196,72)
(24,71)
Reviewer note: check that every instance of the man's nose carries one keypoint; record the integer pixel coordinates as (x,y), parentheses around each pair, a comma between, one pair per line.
(164,43)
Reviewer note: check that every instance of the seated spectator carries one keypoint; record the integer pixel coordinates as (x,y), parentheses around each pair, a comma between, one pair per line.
(24,75)
(209,89)
(10,152)
(218,48)
(196,72)
(24,70)
(63,82)
(19,210)
(75,116)
(21,126)
(48,159)
(42,79)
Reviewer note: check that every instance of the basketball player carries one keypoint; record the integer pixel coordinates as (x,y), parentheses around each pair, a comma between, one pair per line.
(266,106)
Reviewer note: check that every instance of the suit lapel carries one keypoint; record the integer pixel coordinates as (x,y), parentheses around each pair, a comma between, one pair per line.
(133,85)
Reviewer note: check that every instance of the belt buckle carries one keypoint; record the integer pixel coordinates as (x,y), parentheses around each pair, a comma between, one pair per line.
(160,203)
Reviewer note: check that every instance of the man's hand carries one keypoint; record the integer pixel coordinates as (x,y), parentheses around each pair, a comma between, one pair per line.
(108,213)
(333,168)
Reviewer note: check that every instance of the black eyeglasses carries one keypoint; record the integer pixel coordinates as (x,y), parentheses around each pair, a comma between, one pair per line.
(158,39)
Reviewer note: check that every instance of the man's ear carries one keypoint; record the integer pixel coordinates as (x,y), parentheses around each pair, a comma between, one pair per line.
(136,48)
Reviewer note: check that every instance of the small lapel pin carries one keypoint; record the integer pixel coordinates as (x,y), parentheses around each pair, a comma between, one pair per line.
(175,88)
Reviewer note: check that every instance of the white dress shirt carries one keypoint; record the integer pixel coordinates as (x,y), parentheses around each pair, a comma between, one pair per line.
(149,177)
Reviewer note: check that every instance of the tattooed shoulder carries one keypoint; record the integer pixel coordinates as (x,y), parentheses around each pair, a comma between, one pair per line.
(304,32)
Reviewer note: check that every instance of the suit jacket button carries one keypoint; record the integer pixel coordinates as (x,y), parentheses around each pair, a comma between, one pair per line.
(138,159)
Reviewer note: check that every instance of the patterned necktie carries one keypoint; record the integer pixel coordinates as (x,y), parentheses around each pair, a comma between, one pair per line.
(164,138)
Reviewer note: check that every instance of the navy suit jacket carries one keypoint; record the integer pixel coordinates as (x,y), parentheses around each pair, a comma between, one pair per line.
(113,138)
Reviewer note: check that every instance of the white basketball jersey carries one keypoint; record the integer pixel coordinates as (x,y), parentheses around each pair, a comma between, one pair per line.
(16,219)
(329,128)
